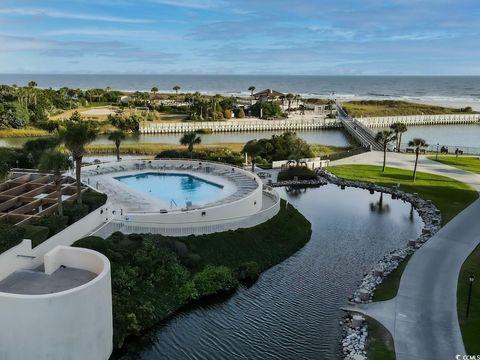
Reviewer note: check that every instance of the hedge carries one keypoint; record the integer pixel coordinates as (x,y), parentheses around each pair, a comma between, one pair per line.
(37,234)
(301,172)
(10,236)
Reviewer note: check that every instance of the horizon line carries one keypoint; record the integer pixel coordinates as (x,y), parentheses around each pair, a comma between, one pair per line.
(253,74)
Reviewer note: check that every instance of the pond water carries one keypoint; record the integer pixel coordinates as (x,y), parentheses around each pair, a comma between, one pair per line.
(292,311)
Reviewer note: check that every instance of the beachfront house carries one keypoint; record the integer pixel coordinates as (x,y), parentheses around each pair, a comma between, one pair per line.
(268,95)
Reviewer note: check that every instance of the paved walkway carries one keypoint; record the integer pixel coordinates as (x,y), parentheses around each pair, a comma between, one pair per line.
(423,316)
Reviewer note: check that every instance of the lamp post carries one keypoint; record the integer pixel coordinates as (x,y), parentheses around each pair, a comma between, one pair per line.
(436,155)
(471,279)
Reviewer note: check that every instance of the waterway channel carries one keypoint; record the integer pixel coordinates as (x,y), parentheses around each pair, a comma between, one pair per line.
(464,136)
(292,311)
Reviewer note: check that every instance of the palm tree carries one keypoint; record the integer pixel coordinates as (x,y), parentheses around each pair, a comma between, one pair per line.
(176,88)
(55,162)
(418,143)
(253,148)
(117,137)
(75,136)
(290,97)
(4,168)
(154,91)
(32,85)
(398,128)
(251,89)
(215,100)
(385,136)
(190,139)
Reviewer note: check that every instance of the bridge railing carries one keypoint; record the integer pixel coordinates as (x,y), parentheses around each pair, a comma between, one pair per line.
(386,121)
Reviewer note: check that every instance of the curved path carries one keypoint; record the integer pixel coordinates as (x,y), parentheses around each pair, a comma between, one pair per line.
(422,318)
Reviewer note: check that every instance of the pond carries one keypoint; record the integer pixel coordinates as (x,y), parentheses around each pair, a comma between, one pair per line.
(334,137)
(292,311)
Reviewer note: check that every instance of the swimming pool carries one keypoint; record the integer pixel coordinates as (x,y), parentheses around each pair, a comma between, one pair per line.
(174,190)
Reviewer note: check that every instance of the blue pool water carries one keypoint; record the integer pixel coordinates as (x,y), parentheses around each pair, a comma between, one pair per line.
(174,189)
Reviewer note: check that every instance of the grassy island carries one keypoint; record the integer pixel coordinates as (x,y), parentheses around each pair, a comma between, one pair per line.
(154,276)
(396,108)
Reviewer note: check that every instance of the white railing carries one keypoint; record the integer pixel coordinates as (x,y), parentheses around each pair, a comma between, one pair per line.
(240,125)
(445,119)
(193,228)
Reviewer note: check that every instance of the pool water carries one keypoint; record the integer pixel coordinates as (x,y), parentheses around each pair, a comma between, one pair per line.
(174,190)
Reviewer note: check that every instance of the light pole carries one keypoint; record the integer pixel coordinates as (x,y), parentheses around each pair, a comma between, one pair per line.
(471,279)
(436,155)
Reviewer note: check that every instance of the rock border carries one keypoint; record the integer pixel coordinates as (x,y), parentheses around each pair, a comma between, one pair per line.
(318,182)
(355,330)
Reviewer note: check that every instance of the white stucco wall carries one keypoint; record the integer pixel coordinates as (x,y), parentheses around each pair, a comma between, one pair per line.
(70,325)
(23,256)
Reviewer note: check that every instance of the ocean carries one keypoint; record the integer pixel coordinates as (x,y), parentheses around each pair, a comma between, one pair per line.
(421,88)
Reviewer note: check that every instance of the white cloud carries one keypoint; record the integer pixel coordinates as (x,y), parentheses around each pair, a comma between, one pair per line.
(109,32)
(194,4)
(21,11)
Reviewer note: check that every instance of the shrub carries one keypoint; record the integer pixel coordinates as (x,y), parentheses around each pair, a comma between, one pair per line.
(10,236)
(75,212)
(225,156)
(241,113)
(214,279)
(37,234)
(54,223)
(301,172)
(188,292)
(95,243)
(227,114)
(94,200)
(249,270)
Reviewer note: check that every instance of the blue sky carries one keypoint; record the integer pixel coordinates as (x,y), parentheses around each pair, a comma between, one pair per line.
(240,36)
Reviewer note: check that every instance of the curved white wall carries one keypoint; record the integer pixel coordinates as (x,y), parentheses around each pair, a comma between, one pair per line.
(75,324)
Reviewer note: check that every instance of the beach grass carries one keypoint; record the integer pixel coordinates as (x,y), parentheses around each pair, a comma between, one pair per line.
(319,149)
(470,326)
(154,117)
(367,108)
(154,149)
(25,132)
(448,195)
(467,163)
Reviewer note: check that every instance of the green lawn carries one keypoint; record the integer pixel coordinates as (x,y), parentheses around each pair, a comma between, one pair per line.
(394,108)
(449,196)
(467,163)
(388,289)
(470,327)
(380,343)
